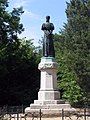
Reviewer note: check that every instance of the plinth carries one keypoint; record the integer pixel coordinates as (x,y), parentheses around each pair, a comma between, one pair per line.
(48,96)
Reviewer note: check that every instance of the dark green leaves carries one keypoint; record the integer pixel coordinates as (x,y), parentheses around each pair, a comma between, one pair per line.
(73,54)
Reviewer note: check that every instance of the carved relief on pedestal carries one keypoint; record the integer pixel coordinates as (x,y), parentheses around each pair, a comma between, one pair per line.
(48,65)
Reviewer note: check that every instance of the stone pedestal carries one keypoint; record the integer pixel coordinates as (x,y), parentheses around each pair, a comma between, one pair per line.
(48,95)
(48,85)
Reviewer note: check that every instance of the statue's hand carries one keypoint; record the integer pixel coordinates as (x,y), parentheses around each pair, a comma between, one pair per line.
(47,32)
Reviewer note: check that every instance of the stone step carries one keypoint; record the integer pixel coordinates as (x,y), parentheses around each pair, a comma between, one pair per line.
(49,112)
(50,106)
(44,102)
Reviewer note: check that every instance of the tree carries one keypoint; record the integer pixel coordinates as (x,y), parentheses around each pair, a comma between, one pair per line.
(10,24)
(67,84)
(76,48)
(19,74)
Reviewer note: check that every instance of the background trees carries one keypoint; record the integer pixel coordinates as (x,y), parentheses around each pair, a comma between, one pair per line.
(74,48)
(19,76)
(10,24)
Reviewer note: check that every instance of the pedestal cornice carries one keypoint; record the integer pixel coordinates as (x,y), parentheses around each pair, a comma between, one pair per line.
(47,63)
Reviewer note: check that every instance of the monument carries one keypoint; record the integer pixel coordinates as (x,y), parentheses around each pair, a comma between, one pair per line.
(48,47)
(48,96)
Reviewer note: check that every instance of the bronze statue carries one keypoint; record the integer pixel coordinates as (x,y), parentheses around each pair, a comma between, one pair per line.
(48,47)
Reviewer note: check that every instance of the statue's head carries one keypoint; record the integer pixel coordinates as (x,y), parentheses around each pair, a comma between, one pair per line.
(47,18)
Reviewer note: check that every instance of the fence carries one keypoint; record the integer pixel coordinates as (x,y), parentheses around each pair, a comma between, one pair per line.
(17,113)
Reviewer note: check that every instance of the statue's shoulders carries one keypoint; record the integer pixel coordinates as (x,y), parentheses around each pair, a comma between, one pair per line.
(51,23)
(47,26)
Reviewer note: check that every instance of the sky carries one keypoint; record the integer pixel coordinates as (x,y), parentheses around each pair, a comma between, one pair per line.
(35,12)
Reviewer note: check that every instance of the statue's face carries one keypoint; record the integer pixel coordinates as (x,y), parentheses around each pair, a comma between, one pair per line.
(47,18)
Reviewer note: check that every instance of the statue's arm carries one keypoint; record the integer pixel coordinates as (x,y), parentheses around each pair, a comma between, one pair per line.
(52,26)
(43,26)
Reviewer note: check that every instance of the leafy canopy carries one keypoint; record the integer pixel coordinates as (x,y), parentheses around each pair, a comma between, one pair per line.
(73,52)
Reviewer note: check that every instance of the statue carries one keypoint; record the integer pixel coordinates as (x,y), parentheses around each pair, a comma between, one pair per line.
(48,47)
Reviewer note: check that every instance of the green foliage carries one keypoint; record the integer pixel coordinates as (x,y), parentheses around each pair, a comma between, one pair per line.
(77,35)
(67,83)
(19,74)
(73,52)
(10,24)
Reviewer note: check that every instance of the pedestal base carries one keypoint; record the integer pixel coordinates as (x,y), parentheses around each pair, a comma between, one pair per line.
(49,110)
(48,96)
(49,107)
(48,102)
